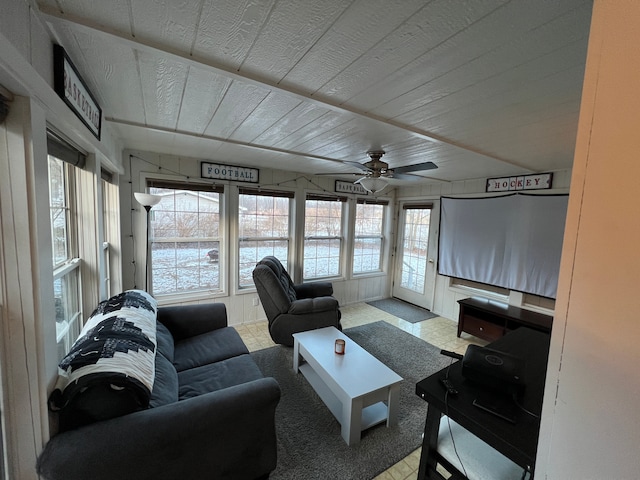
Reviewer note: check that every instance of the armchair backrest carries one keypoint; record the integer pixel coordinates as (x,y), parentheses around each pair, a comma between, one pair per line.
(281,274)
(274,286)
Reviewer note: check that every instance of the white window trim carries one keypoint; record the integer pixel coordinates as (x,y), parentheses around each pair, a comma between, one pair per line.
(66,268)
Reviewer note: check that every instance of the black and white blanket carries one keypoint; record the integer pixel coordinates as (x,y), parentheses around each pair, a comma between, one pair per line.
(114,352)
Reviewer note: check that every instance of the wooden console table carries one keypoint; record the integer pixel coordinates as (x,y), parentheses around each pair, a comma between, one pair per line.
(490,320)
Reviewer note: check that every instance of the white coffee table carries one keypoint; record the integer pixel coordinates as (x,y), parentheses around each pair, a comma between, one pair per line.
(359,390)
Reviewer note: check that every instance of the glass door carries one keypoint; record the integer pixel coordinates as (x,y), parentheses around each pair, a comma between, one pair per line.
(414,277)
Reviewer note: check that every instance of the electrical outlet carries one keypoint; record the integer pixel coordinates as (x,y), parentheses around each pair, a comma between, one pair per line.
(256,302)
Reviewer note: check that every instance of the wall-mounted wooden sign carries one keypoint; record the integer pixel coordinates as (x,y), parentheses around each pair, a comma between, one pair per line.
(229,172)
(349,187)
(70,86)
(538,181)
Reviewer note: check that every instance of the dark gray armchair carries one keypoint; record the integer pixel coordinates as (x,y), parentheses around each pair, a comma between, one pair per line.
(293,308)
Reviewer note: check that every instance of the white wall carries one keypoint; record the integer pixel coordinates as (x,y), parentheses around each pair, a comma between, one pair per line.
(240,303)
(27,332)
(591,423)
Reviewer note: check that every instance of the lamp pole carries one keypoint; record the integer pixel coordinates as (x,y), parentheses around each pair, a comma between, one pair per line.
(146,256)
(147,201)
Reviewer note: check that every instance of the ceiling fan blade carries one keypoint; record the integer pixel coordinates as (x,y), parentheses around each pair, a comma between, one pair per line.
(360,166)
(405,176)
(414,168)
(334,174)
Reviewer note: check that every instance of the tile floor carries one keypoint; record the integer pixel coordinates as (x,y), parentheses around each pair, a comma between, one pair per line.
(438,331)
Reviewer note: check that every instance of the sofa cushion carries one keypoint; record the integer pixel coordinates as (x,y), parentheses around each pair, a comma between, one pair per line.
(216,376)
(164,339)
(208,348)
(165,386)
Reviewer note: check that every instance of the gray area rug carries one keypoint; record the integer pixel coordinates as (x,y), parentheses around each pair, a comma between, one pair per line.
(403,310)
(309,441)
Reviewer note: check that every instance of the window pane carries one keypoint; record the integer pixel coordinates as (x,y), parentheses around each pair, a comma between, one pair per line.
(58,211)
(59,236)
(321,258)
(366,255)
(185,266)
(369,219)
(416,242)
(323,218)
(252,251)
(367,247)
(185,247)
(57,197)
(67,302)
(262,216)
(263,225)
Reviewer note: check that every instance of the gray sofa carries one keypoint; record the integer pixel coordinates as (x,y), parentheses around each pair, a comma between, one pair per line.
(210,414)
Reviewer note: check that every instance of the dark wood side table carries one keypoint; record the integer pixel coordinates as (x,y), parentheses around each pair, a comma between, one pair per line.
(490,320)
(518,441)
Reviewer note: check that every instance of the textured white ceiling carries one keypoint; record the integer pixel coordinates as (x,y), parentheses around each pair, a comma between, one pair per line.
(482,88)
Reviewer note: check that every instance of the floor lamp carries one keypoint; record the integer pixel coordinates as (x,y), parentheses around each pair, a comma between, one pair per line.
(147,201)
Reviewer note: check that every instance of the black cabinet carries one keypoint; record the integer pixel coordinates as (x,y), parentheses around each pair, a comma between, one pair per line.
(490,320)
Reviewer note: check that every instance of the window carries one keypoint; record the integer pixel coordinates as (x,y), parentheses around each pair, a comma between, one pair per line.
(111,242)
(322,236)
(368,239)
(66,262)
(184,231)
(263,229)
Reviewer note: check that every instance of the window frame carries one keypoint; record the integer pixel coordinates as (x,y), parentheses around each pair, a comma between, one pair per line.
(111,248)
(382,237)
(319,238)
(159,182)
(69,308)
(240,238)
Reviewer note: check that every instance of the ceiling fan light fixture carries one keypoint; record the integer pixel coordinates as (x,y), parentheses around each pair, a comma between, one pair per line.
(373,184)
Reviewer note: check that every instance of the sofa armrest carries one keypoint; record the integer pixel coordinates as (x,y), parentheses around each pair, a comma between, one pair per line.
(315,289)
(229,433)
(184,321)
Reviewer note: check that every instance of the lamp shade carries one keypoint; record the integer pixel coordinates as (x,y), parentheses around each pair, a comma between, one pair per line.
(373,184)
(146,199)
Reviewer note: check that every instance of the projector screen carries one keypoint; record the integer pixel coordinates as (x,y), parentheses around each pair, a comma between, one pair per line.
(512,241)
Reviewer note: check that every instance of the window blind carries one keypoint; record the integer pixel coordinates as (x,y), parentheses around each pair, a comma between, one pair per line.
(60,148)
(175,185)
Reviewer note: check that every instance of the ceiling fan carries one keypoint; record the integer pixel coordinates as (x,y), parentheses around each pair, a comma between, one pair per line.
(376,171)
